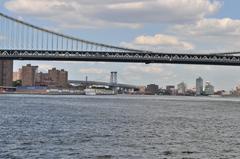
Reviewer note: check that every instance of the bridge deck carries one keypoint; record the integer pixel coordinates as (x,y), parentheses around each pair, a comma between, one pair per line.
(130,57)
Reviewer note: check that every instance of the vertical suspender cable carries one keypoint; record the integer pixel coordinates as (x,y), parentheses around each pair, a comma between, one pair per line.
(13,35)
(10,35)
(47,40)
(57,43)
(22,37)
(32,40)
(6,33)
(52,42)
(27,37)
(77,45)
(67,45)
(82,47)
(72,45)
(37,46)
(62,44)
(42,40)
(18,36)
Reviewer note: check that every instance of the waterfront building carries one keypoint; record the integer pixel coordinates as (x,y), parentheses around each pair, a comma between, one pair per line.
(170,90)
(53,75)
(209,89)
(152,89)
(17,75)
(63,78)
(237,91)
(199,86)
(6,73)
(58,77)
(142,89)
(43,79)
(29,75)
(181,88)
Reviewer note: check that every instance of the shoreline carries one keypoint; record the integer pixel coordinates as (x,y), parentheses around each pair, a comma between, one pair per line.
(82,94)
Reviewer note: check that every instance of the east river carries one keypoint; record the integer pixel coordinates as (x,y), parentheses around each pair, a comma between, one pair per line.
(119,127)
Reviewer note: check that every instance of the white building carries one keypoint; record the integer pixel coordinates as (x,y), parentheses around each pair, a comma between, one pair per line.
(209,89)
(181,88)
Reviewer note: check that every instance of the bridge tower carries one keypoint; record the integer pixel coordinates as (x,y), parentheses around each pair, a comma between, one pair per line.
(113,78)
(113,82)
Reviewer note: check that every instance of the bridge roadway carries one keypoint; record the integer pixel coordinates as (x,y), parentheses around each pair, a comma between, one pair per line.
(129,57)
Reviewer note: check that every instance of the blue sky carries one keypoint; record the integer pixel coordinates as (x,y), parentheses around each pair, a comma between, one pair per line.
(162,24)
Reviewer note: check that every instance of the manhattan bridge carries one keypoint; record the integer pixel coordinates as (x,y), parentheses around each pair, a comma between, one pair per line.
(24,41)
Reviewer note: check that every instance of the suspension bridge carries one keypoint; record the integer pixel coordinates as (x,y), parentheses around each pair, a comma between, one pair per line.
(23,41)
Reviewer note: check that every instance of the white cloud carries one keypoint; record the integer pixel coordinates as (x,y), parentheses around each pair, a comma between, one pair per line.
(121,13)
(164,40)
(158,42)
(215,34)
(211,27)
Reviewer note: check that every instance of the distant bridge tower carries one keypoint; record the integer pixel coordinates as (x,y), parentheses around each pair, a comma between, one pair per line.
(113,82)
(113,78)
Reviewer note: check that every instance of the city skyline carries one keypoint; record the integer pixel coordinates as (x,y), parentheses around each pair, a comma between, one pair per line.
(198,87)
(212,25)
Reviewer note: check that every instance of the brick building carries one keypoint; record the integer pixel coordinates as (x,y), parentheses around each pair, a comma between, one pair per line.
(29,75)
(6,72)
(59,78)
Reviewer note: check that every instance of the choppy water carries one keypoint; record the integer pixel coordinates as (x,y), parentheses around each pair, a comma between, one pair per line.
(119,127)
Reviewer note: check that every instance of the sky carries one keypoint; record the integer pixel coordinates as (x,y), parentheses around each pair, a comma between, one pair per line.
(164,25)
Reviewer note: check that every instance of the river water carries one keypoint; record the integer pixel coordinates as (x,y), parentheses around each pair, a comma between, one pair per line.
(109,127)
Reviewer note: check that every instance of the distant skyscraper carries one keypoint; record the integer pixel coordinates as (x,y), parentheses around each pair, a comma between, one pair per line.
(199,86)
(209,89)
(6,73)
(181,88)
(29,75)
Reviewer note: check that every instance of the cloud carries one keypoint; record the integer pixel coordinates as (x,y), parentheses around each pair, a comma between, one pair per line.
(158,41)
(164,40)
(222,34)
(211,27)
(115,13)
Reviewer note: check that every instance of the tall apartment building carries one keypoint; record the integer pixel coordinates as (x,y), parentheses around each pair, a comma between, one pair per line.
(59,78)
(43,79)
(6,73)
(53,75)
(63,78)
(29,75)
